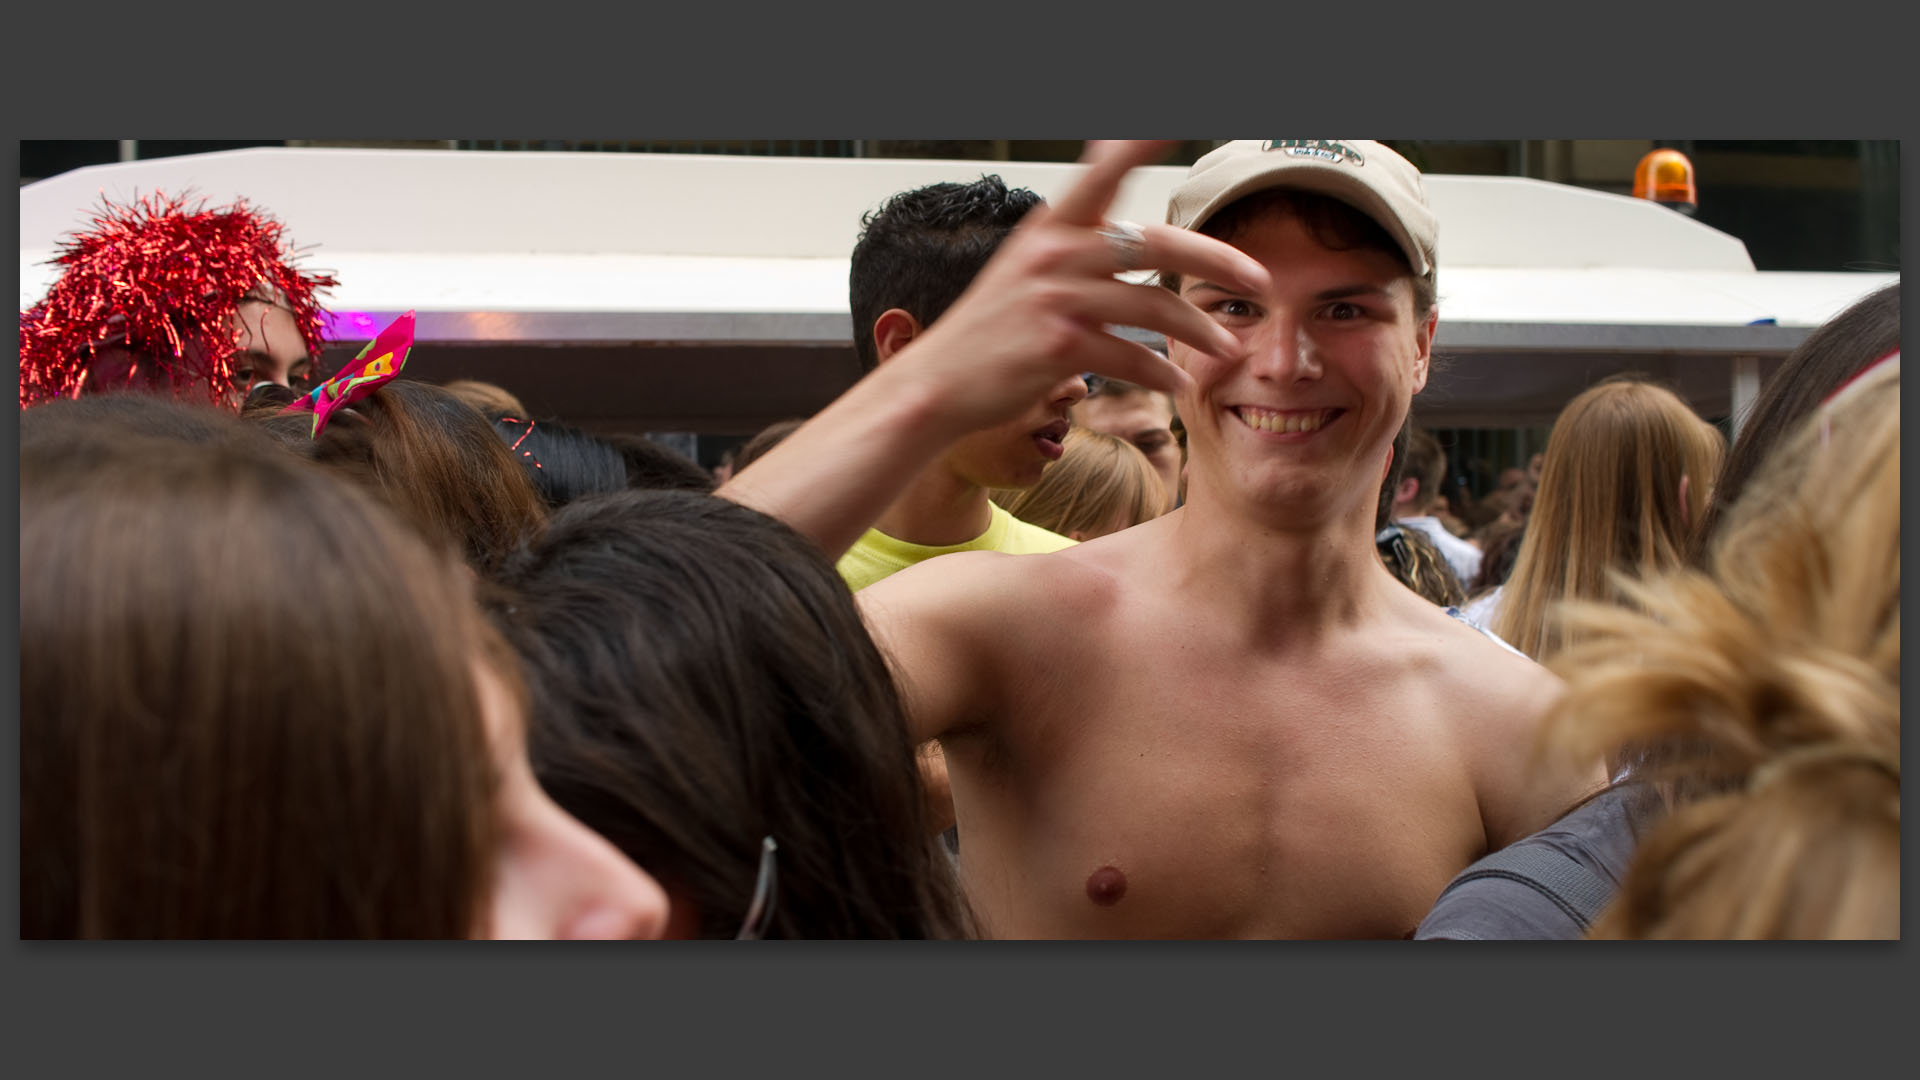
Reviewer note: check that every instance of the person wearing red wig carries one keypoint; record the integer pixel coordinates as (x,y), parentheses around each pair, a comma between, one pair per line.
(164,296)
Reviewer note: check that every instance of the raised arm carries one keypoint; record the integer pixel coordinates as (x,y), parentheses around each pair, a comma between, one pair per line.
(939,624)
(1036,314)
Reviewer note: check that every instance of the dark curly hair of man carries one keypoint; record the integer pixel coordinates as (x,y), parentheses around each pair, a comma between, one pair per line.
(921,249)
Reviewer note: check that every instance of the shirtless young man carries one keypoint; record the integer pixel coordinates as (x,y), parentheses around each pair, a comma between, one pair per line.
(1230,721)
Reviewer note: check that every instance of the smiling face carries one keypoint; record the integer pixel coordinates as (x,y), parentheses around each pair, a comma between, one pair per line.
(1336,352)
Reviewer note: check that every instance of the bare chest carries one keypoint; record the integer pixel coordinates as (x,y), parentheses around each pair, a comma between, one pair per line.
(1176,793)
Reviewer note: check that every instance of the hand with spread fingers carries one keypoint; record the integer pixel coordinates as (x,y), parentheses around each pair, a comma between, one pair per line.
(1040,310)
(1037,314)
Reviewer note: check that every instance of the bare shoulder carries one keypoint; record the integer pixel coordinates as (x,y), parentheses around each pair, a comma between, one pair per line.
(967,584)
(1501,699)
(957,629)
(1508,688)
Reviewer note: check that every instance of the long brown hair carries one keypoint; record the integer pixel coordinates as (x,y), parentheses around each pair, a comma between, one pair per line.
(1774,686)
(440,466)
(191,767)
(1610,499)
(701,680)
(1098,480)
(1831,355)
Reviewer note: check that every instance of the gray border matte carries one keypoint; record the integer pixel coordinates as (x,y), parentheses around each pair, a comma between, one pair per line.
(983,1009)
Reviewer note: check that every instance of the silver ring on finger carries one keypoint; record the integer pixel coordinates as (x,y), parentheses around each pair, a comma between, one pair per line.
(1127,241)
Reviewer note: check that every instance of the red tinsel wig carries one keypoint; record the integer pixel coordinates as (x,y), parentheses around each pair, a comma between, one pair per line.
(161,280)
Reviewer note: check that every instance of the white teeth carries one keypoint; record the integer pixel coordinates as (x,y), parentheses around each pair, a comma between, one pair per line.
(1268,420)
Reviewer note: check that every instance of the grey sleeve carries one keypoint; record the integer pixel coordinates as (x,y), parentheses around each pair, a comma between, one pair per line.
(1497,909)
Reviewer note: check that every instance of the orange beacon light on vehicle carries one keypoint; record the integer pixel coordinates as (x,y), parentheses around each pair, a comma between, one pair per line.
(1666,176)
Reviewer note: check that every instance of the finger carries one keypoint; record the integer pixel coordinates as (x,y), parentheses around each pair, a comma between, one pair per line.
(1108,163)
(1118,358)
(1199,257)
(1151,307)
(1169,250)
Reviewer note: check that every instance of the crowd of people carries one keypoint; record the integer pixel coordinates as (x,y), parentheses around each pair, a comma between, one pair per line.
(1036,631)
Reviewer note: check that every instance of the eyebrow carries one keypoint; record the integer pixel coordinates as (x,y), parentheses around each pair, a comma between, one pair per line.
(1338,292)
(256,298)
(1342,292)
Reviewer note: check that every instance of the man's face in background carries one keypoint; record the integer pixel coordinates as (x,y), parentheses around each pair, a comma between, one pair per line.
(1143,418)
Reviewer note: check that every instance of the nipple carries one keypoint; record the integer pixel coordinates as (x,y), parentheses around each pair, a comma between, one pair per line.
(1106,886)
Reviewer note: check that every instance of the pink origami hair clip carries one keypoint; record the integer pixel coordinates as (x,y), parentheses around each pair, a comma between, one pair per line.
(372,368)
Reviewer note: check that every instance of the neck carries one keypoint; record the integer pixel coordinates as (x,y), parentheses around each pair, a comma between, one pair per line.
(1279,579)
(939,508)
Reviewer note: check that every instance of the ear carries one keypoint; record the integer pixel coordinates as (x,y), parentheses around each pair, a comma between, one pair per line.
(1423,338)
(1409,487)
(1686,508)
(892,331)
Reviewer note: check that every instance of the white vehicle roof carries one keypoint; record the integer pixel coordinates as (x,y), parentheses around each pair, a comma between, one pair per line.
(579,272)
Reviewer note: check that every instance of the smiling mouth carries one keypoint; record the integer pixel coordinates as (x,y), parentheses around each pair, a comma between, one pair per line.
(1285,423)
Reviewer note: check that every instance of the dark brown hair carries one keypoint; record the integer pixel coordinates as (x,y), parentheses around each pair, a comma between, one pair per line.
(185,772)
(701,679)
(922,248)
(764,440)
(1427,463)
(440,466)
(1831,355)
(656,466)
(1337,226)
(564,462)
(94,417)
(1497,555)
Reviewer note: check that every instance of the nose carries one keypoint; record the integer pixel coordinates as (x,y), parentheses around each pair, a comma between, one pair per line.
(1071,391)
(1284,353)
(619,901)
(561,880)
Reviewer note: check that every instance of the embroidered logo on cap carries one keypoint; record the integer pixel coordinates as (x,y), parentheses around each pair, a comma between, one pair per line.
(1331,150)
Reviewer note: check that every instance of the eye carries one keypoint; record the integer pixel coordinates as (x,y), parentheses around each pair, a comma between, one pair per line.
(1153,441)
(1234,309)
(1341,311)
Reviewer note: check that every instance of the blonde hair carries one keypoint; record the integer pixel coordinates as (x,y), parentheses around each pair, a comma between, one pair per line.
(1778,678)
(1100,478)
(1423,568)
(489,399)
(1610,499)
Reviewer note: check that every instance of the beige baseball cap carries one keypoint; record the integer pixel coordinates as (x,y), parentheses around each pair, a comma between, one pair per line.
(1359,172)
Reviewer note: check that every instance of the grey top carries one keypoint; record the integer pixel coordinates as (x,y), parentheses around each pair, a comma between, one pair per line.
(1593,845)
